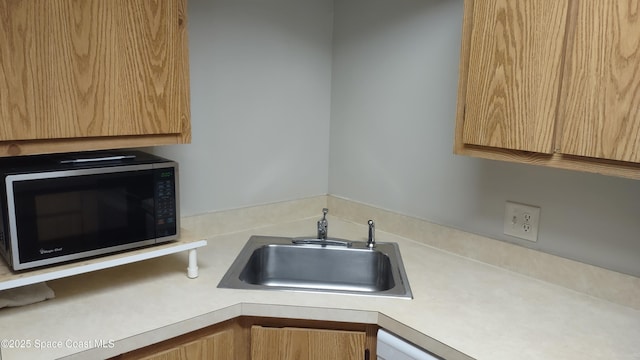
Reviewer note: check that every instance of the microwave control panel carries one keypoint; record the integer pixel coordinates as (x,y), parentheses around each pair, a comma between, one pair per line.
(165,188)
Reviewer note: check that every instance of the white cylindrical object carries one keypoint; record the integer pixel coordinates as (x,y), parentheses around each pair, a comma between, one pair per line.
(192,270)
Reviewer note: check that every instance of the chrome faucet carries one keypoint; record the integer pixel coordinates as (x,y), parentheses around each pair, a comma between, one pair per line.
(371,242)
(323,225)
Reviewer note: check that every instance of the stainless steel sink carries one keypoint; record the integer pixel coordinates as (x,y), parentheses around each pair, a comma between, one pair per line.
(333,265)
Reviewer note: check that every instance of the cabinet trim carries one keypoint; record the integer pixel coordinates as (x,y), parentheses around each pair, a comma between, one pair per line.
(557,160)
(34,147)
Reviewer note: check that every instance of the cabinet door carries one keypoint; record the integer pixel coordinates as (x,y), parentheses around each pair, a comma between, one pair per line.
(514,73)
(601,87)
(218,346)
(302,344)
(91,68)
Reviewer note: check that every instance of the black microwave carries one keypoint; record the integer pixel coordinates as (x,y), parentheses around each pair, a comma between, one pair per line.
(65,207)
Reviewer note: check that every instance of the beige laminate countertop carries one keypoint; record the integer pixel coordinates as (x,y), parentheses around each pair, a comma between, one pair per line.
(477,309)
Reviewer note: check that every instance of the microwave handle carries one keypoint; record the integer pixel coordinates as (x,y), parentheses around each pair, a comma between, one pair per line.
(96,159)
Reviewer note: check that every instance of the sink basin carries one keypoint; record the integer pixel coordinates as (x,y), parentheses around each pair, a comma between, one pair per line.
(278,263)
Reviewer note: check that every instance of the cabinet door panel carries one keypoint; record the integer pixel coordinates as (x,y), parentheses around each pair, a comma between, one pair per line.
(78,70)
(601,86)
(149,55)
(219,346)
(22,52)
(91,68)
(514,74)
(306,344)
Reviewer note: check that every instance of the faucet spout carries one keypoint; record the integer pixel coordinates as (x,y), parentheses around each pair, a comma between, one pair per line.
(323,225)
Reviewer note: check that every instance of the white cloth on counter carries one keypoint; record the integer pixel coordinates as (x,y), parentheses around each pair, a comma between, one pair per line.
(25,295)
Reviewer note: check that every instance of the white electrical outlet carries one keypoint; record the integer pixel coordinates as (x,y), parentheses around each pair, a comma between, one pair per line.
(521,221)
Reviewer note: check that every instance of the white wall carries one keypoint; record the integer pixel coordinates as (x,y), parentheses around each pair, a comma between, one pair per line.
(262,95)
(260,103)
(395,71)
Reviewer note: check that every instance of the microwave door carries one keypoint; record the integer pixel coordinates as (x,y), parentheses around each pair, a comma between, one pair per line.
(75,216)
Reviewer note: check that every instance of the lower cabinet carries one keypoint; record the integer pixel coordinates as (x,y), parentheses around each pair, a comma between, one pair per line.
(220,342)
(306,344)
(257,338)
(214,346)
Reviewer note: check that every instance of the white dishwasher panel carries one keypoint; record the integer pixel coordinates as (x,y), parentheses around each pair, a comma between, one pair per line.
(391,347)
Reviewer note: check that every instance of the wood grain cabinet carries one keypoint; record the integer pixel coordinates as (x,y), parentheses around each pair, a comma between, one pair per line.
(92,74)
(306,344)
(222,341)
(553,83)
(217,346)
(258,338)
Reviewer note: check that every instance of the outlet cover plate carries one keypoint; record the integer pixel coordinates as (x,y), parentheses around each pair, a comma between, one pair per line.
(521,221)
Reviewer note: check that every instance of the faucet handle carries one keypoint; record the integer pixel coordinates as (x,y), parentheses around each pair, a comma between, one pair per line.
(371,242)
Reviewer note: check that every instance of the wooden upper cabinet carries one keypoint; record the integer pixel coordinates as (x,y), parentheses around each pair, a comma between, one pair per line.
(553,83)
(514,66)
(600,113)
(112,72)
